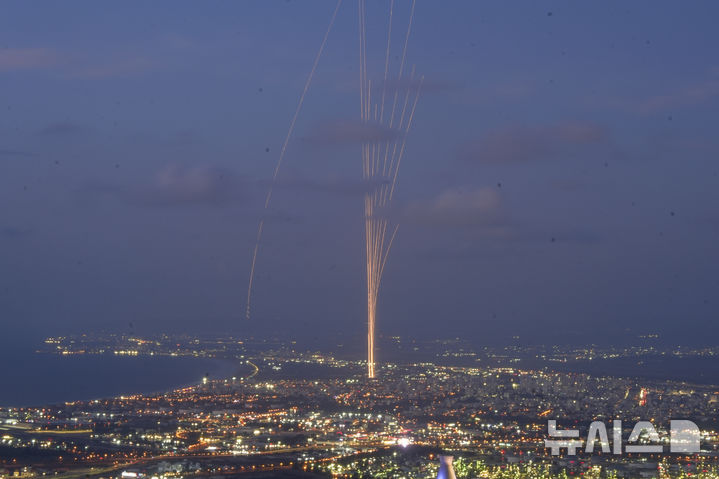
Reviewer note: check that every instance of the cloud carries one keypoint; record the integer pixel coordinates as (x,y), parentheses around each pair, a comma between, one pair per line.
(521,143)
(17,59)
(14,233)
(61,129)
(338,186)
(348,132)
(6,152)
(570,185)
(461,208)
(481,213)
(79,64)
(412,84)
(118,67)
(690,95)
(176,186)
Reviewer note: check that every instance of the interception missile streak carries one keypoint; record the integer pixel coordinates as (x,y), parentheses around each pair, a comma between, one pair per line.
(380,164)
(381,158)
(268,198)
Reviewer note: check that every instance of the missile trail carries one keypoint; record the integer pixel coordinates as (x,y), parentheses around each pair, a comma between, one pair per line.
(386,59)
(260,226)
(381,159)
(404,139)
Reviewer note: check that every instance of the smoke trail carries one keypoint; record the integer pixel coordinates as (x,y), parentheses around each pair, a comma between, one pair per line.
(282,155)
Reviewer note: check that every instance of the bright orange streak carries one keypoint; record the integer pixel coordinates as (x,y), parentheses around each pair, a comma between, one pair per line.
(387,152)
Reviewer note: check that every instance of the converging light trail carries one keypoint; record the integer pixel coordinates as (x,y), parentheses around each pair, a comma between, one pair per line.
(381,156)
(380,164)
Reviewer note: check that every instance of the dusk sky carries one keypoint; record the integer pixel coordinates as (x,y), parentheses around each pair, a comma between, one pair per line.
(560,176)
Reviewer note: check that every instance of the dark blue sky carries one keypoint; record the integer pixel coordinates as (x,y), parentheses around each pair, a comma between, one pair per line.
(561,174)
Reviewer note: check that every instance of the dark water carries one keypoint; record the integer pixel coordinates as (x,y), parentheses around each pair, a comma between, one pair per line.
(31,379)
(698,370)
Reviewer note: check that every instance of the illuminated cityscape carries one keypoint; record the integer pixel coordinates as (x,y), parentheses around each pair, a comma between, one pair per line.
(310,412)
(359,239)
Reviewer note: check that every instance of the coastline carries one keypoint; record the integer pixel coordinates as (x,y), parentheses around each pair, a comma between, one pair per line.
(51,379)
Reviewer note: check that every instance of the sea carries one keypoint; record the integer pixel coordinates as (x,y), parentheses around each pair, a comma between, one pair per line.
(28,378)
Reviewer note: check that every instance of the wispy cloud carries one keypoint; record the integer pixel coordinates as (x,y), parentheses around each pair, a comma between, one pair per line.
(522,143)
(461,207)
(348,132)
(175,185)
(480,214)
(131,60)
(8,152)
(17,59)
(405,84)
(118,67)
(62,128)
(335,186)
(14,233)
(689,95)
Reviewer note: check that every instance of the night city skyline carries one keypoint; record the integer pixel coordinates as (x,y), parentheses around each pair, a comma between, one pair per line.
(359,239)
